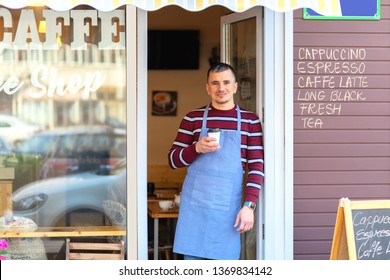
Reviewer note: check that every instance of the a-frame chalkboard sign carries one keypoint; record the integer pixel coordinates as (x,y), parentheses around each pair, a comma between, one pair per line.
(362,230)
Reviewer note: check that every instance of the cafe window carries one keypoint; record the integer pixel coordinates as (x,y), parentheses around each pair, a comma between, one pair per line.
(63,104)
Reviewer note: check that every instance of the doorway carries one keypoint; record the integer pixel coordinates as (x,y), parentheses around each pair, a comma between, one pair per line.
(189,88)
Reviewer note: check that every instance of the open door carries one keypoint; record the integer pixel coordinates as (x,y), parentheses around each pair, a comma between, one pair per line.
(241,47)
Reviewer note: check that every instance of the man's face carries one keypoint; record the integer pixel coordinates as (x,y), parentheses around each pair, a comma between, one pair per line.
(221,86)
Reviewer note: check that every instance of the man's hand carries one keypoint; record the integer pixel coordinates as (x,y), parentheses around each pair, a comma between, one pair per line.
(206,145)
(245,219)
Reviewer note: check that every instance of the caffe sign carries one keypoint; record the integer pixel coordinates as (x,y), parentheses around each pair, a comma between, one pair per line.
(80,23)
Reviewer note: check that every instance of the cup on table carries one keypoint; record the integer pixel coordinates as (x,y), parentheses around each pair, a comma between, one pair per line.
(166,204)
(214,132)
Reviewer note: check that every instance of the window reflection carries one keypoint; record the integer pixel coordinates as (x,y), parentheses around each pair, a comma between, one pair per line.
(243,56)
(63,120)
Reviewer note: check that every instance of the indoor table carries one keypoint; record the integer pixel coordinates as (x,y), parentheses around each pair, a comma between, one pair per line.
(156,213)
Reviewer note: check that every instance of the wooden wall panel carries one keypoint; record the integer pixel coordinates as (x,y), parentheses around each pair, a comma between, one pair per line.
(342,163)
(353,122)
(345,39)
(341,122)
(312,192)
(338,67)
(340,82)
(342,136)
(317,233)
(341,150)
(342,177)
(380,53)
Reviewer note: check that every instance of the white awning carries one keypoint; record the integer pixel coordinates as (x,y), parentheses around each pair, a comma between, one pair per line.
(324,7)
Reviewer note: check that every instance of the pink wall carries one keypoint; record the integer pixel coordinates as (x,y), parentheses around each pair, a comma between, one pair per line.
(341,122)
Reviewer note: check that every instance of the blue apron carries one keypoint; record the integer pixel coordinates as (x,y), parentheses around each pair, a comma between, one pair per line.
(211,199)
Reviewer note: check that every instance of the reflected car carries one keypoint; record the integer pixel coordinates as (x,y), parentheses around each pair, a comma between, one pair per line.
(76,149)
(62,201)
(15,131)
(5,147)
(5,150)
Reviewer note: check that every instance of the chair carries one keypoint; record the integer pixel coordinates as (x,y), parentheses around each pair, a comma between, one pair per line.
(94,250)
(162,251)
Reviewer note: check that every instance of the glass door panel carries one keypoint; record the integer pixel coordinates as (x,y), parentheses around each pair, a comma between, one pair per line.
(241,48)
(242,56)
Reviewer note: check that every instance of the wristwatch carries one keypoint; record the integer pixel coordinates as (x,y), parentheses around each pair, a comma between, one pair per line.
(250,204)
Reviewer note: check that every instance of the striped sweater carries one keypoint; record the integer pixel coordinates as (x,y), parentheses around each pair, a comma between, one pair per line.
(183,153)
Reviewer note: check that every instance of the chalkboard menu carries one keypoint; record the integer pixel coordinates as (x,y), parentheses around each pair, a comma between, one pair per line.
(372,233)
(362,230)
(329,81)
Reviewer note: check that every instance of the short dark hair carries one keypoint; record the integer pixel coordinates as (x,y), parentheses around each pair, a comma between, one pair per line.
(220,67)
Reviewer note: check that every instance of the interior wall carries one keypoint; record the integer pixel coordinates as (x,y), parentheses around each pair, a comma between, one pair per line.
(189,84)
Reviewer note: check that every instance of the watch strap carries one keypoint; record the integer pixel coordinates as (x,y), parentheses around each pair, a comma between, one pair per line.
(250,204)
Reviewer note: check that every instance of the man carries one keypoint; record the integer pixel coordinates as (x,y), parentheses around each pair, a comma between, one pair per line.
(212,215)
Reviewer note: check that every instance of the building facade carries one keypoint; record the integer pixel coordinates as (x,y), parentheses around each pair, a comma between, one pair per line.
(320,91)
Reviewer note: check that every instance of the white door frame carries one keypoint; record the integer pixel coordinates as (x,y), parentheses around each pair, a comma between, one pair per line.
(278,135)
(142,132)
(136,83)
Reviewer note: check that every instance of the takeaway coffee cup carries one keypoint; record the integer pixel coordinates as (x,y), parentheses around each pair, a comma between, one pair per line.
(214,132)
(166,204)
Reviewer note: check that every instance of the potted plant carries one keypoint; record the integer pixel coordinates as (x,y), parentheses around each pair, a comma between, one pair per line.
(3,249)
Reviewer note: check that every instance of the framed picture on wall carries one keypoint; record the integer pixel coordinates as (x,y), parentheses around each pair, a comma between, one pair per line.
(164,103)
